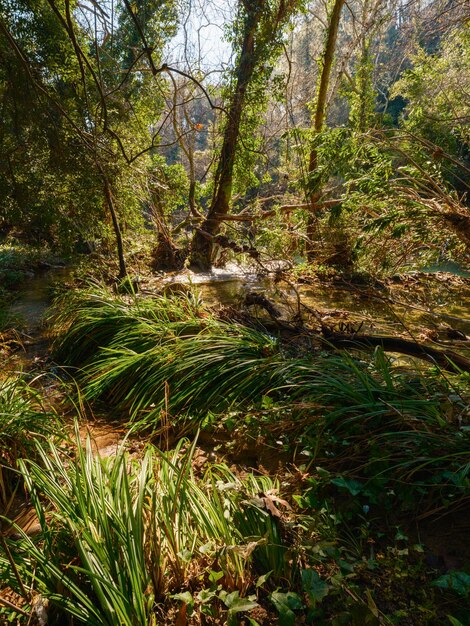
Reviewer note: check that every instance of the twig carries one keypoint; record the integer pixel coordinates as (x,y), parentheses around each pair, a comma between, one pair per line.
(10,605)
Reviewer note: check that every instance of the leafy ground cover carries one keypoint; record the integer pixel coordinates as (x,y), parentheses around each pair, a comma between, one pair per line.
(19,262)
(367,453)
(147,540)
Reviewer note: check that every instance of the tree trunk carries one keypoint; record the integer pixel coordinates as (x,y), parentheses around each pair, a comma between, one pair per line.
(108,194)
(202,244)
(319,120)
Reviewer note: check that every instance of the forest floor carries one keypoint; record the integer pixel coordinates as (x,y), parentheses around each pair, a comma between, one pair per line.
(394,567)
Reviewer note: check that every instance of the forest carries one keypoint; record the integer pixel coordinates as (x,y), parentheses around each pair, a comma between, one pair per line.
(234,321)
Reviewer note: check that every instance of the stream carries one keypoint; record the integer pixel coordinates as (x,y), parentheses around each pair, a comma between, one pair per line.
(418,306)
(34,297)
(424,306)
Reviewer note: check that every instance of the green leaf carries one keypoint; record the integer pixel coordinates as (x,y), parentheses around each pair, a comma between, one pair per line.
(214,577)
(262,579)
(235,604)
(187,598)
(243,604)
(455,581)
(205,595)
(313,585)
(353,486)
(185,555)
(286,604)
(266,402)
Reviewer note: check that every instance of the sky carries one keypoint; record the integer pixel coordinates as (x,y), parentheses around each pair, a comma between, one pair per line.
(200,38)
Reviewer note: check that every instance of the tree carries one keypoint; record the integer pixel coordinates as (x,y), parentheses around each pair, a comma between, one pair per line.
(96,86)
(46,178)
(319,119)
(259,30)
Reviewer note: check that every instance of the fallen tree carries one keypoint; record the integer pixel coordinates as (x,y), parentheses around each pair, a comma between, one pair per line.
(446,359)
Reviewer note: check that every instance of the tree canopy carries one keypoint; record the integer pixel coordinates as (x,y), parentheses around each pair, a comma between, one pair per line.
(336,122)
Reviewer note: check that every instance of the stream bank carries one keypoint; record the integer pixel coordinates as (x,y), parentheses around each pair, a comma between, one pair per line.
(425,309)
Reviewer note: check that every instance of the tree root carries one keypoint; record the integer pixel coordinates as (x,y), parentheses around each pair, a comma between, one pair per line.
(446,359)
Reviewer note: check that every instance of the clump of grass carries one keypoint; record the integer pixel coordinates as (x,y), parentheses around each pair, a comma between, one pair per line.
(372,432)
(130,347)
(86,321)
(136,350)
(23,420)
(120,536)
(379,428)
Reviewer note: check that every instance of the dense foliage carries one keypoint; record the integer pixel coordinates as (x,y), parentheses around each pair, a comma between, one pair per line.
(153,536)
(261,465)
(105,130)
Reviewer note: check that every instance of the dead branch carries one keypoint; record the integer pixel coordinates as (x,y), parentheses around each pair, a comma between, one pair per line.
(287,208)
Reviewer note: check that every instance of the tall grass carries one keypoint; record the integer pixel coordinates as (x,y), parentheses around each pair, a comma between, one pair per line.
(120,535)
(134,350)
(358,417)
(23,420)
(85,321)
(142,353)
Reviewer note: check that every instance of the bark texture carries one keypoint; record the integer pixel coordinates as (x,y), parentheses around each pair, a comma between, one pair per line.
(320,115)
(202,244)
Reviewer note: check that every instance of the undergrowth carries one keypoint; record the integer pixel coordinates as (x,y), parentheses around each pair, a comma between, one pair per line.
(370,449)
(122,537)
(371,426)
(151,540)
(18,262)
(23,421)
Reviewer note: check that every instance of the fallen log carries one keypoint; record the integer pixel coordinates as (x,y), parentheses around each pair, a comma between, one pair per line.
(447,359)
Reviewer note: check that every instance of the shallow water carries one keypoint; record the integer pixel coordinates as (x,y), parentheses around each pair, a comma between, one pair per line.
(420,302)
(426,304)
(34,298)
(450,267)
